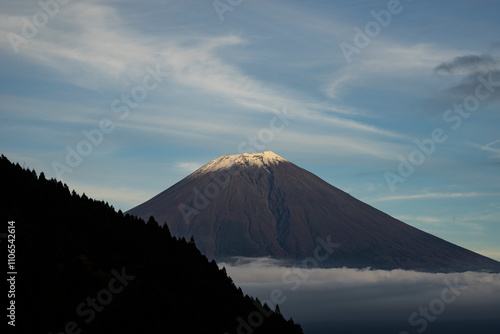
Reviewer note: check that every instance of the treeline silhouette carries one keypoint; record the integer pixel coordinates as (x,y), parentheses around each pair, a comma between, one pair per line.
(83,268)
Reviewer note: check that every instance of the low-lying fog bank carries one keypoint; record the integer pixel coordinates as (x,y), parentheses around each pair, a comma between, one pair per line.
(376,301)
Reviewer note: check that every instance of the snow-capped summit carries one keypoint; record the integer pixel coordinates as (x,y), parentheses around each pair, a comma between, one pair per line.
(263,159)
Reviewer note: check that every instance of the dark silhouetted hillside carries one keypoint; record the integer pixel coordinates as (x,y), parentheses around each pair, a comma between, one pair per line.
(83,266)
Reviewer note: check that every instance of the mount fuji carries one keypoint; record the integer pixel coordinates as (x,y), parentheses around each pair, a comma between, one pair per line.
(260,204)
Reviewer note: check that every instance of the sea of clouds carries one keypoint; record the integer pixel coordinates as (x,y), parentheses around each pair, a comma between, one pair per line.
(344,300)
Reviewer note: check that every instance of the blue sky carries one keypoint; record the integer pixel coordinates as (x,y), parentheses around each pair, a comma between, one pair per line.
(163,87)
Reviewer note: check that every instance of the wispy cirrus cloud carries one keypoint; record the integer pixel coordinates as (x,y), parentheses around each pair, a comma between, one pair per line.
(109,194)
(433,196)
(188,167)
(422,219)
(108,54)
(494,147)
(387,62)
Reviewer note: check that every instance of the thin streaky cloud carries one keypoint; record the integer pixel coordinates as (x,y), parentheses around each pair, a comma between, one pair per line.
(432,196)
(122,194)
(488,147)
(421,219)
(493,147)
(390,59)
(189,166)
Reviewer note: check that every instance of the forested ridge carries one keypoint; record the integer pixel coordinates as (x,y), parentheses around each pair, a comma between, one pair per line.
(82,267)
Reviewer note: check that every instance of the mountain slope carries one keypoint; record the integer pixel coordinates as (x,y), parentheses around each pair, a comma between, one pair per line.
(85,267)
(263,205)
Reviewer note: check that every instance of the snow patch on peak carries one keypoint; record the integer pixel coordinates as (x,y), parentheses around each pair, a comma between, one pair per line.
(263,159)
(260,159)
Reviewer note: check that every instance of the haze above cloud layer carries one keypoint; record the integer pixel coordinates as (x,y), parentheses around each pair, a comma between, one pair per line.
(218,83)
